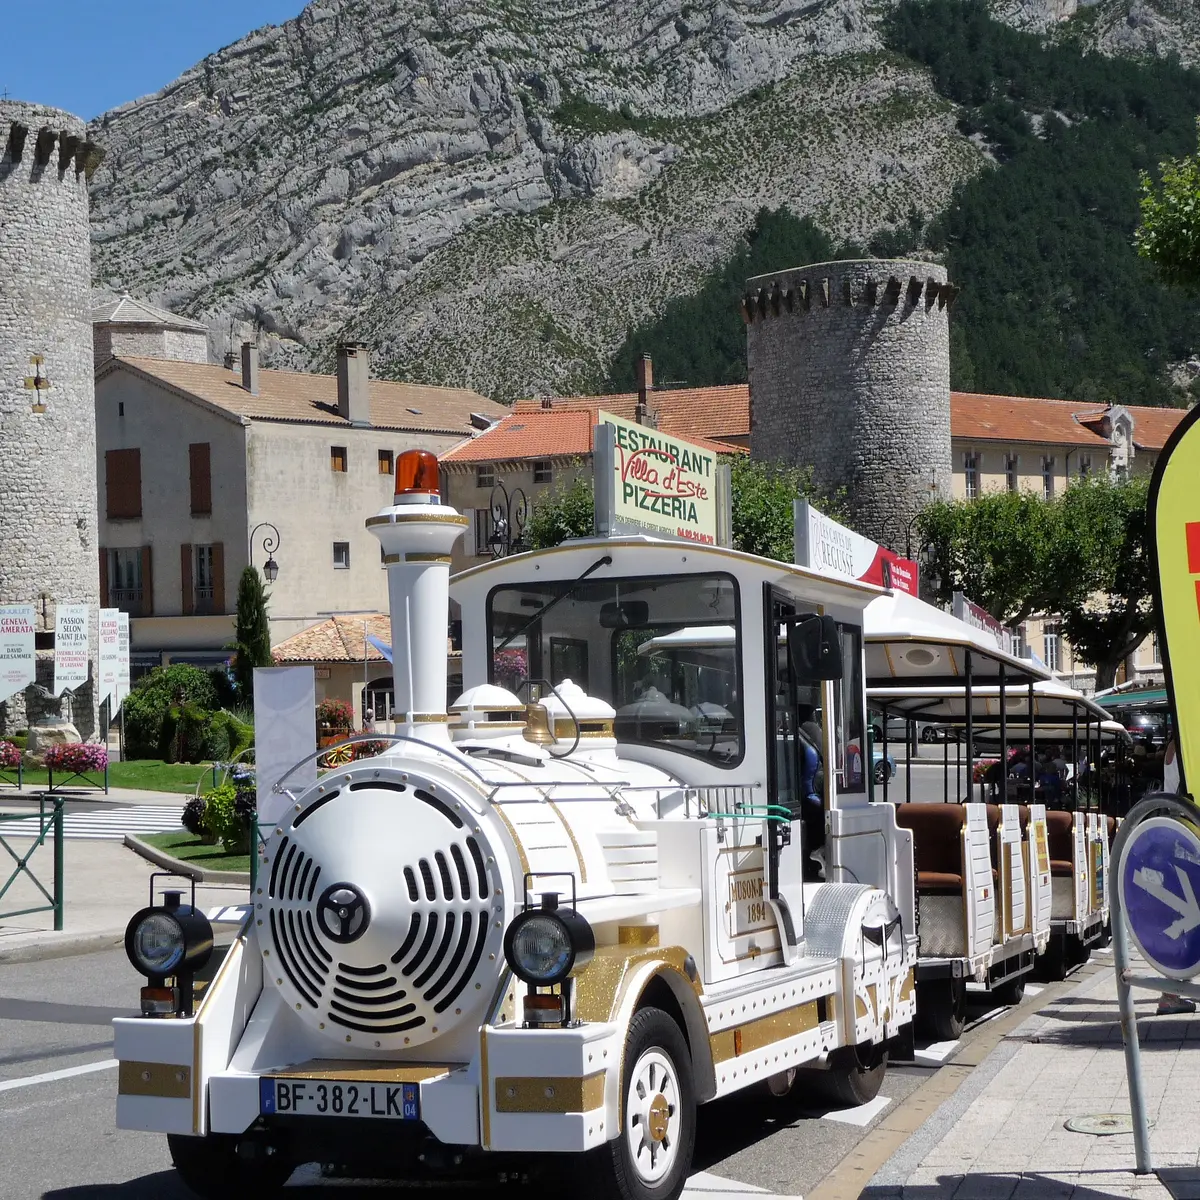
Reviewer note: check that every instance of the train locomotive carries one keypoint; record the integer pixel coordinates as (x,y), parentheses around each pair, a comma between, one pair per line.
(614,880)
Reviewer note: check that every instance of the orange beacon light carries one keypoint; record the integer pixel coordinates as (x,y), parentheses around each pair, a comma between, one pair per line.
(417,474)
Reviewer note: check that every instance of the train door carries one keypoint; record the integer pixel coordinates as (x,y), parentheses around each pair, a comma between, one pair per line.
(800,655)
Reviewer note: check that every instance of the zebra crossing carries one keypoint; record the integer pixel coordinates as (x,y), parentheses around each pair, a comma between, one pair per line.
(110,823)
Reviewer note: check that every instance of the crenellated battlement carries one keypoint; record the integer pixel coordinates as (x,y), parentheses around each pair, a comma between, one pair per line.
(42,136)
(799,291)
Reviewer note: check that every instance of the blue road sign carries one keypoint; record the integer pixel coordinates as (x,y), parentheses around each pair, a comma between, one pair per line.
(1160,883)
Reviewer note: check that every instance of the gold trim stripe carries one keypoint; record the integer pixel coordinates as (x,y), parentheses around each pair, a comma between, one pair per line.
(637,935)
(564,728)
(348,1070)
(498,809)
(422,557)
(549,1094)
(411,518)
(757,1035)
(167,1081)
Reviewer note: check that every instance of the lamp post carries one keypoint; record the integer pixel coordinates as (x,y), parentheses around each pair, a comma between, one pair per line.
(510,512)
(270,543)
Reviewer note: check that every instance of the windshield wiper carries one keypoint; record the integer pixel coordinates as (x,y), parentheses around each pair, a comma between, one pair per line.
(606,561)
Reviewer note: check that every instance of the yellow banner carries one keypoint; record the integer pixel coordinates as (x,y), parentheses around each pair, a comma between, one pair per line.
(1175,513)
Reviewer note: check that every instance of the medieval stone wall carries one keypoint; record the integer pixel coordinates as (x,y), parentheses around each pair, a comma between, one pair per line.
(48,544)
(849,367)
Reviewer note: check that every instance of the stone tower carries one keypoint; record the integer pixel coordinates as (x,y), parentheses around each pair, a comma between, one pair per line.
(48,546)
(849,366)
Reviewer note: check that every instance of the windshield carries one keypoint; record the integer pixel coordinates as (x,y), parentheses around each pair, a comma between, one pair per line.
(663,651)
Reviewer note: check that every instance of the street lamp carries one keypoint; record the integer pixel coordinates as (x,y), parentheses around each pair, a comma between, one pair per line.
(270,543)
(509,516)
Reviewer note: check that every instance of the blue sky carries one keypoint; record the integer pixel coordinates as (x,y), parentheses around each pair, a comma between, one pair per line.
(88,56)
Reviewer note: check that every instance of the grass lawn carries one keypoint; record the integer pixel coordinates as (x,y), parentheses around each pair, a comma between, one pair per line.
(148,775)
(191,849)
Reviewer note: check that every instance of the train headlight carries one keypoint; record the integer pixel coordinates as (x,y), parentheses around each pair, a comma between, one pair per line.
(546,945)
(168,940)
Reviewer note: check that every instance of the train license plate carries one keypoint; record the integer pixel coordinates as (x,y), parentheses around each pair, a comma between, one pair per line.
(339,1098)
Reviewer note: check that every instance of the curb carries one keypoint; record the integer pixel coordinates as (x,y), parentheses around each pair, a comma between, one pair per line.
(178,867)
(60,945)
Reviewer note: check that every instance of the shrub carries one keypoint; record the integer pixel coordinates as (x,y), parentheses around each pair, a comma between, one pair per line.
(10,756)
(20,739)
(183,734)
(77,757)
(228,736)
(193,816)
(148,705)
(229,811)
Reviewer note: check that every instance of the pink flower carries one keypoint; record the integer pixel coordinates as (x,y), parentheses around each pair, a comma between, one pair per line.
(77,757)
(10,757)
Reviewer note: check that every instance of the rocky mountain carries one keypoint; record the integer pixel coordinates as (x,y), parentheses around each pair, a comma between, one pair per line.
(493,191)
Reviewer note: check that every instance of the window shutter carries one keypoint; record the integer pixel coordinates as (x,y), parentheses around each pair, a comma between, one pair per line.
(185,575)
(200,466)
(103,577)
(123,484)
(147,584)
(218,568)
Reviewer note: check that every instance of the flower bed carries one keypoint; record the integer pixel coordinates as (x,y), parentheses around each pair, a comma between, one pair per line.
(10,757)
(77,759)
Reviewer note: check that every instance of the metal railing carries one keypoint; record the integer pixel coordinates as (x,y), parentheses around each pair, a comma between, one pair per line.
(50,820)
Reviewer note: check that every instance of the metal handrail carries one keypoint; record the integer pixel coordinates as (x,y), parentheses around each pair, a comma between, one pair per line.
(52,821)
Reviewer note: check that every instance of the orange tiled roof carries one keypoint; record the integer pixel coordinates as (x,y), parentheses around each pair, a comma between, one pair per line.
(564,431)
(976,417)
(337,640)
(312,399)
(1152,426)
(707,412)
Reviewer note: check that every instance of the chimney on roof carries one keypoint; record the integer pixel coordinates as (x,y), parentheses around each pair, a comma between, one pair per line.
(250,367)
(645,385)
(354,382)
(547,401)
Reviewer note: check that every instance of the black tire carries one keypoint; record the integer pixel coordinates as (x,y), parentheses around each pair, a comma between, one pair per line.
(210,1167)
(1077,952)
(942,1008)
(881,771)
(854,1076)
(1010,992)
(612,1172)
(929,734)
(1105,938)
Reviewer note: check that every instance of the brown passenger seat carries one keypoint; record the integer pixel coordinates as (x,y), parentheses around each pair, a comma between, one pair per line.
(1112,828)
(994,816)
(1023,811)
(937,844)
(1060,843)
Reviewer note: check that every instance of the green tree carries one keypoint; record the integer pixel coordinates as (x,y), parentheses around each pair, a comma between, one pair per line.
(1082,556)
(566,512)
(763,495)
(253,639)
(1105,530)
(1169,233)
(999,550)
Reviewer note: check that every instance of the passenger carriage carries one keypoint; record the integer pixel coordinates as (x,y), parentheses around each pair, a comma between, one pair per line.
(549,924)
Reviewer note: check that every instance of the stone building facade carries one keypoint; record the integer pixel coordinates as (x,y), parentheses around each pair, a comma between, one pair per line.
(48,545)
(849,370)
(133,328)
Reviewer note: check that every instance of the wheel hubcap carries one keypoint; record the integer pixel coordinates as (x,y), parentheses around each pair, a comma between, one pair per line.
(652,1115)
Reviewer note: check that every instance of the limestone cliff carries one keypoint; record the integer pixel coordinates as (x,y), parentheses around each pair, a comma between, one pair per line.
(492,191)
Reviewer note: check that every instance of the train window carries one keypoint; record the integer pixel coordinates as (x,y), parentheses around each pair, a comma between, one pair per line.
(848,741)
(663,651)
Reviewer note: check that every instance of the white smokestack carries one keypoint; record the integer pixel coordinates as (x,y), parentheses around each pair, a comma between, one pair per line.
(417,533)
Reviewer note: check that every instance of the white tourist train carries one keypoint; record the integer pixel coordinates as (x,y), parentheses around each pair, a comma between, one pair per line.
(549,929)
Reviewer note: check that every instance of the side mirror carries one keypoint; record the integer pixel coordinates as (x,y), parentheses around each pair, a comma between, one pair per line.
(815,648)
(629,614)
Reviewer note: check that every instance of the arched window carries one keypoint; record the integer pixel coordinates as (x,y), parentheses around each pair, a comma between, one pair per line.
(380,697)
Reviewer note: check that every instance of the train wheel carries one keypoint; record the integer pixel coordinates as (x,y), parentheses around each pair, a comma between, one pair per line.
(942,1008)
(1077,952)
(854,1076)
(651,1156)
(1051,966)
(210,1167)
(1011,991)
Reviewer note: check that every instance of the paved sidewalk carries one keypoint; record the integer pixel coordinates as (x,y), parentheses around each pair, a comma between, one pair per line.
(1002,1134)
(11,800)
(105,884)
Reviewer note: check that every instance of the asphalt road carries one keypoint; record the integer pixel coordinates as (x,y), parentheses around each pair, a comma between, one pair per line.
(59,1141)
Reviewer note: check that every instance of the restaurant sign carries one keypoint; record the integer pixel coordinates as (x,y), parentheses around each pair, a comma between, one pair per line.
(661,484)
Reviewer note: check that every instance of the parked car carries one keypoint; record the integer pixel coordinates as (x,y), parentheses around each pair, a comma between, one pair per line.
(884,768)
(897,728)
